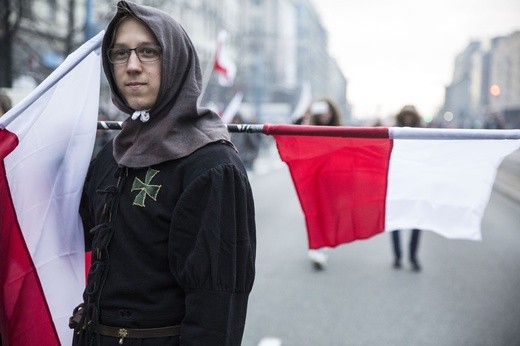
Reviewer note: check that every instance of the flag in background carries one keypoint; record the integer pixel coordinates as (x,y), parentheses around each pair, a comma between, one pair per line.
(223,65)
(46,143)
(232,108)
(304,101)
(384,179)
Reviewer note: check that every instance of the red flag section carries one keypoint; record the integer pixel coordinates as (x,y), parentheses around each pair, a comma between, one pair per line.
(22,290)
(331,131)
(341,182)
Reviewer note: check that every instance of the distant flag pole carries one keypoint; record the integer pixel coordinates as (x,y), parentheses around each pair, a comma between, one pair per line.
(207,75)
(232,108)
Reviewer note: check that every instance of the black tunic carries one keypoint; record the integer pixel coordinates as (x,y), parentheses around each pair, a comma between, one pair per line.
(173,244)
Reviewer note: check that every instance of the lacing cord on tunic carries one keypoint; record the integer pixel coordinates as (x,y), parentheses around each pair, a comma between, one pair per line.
(108,194)
(103,233)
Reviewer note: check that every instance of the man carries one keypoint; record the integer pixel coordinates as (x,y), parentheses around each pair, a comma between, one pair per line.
(167,205)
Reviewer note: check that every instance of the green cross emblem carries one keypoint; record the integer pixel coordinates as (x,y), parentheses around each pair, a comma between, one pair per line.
(145,188)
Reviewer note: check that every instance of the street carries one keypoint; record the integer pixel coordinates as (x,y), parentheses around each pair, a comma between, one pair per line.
(467,293)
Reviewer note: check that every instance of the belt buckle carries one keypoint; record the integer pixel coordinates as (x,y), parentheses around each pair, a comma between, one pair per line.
(122,333)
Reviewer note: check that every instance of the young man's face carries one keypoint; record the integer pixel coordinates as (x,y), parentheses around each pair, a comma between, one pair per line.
(138,82)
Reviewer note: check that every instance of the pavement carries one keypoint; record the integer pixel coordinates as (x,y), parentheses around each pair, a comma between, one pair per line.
(507,181)
(466,294)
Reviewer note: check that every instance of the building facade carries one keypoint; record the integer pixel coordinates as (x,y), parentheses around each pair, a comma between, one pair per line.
(277,45)
(485,86)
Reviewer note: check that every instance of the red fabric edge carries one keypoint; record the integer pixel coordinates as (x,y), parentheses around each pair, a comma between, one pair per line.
(30,318)
(331,131)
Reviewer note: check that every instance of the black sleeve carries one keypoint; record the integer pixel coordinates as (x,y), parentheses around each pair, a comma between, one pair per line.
(212,254)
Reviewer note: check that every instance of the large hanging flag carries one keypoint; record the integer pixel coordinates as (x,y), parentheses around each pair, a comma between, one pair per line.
(46,142)
(223,65)
(354,183)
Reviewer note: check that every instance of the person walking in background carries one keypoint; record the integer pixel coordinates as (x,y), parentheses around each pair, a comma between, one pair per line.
(167,207)
(305,119)
(494,121)
(247,144)
(323,112)
(5,103)
(409,117)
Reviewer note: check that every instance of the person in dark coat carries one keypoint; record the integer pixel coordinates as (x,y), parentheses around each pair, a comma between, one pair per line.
(408,116)
(167,207)
(5,103)
(247,144)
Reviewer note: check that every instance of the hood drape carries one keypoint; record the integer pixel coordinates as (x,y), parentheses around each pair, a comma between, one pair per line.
(177,125)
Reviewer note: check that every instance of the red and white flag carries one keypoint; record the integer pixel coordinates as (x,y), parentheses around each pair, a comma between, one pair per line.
(354,183)
(223,65)
(46,143)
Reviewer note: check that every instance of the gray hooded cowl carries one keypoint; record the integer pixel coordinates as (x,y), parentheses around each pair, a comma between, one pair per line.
(177,126)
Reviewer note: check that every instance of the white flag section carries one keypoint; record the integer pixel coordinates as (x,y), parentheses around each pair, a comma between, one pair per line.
(55,127)
(442,185)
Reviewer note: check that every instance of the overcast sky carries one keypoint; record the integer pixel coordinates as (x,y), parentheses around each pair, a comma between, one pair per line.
(396,52)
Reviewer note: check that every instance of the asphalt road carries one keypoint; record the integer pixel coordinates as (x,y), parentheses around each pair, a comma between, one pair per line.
(468,292)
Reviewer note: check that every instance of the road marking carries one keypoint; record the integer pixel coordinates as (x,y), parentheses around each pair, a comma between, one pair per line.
(270,342)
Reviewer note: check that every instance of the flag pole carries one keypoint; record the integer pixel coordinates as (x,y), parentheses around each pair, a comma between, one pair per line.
(207,74)
(357,132)
(241,128)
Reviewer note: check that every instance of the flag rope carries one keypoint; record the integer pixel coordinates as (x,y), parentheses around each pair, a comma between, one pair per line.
(357,132)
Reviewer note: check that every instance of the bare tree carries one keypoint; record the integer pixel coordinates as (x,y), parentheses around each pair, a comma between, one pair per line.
(11,13)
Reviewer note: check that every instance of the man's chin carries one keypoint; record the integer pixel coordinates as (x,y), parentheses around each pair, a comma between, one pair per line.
(137,105)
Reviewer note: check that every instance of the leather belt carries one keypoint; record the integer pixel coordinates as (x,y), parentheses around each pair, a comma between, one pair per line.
(122,333)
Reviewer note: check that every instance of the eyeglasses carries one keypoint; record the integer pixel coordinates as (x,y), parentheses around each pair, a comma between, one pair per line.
(144,54)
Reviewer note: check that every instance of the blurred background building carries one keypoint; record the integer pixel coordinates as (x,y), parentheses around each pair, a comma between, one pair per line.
(279,48)
(276,45)
(485,88)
